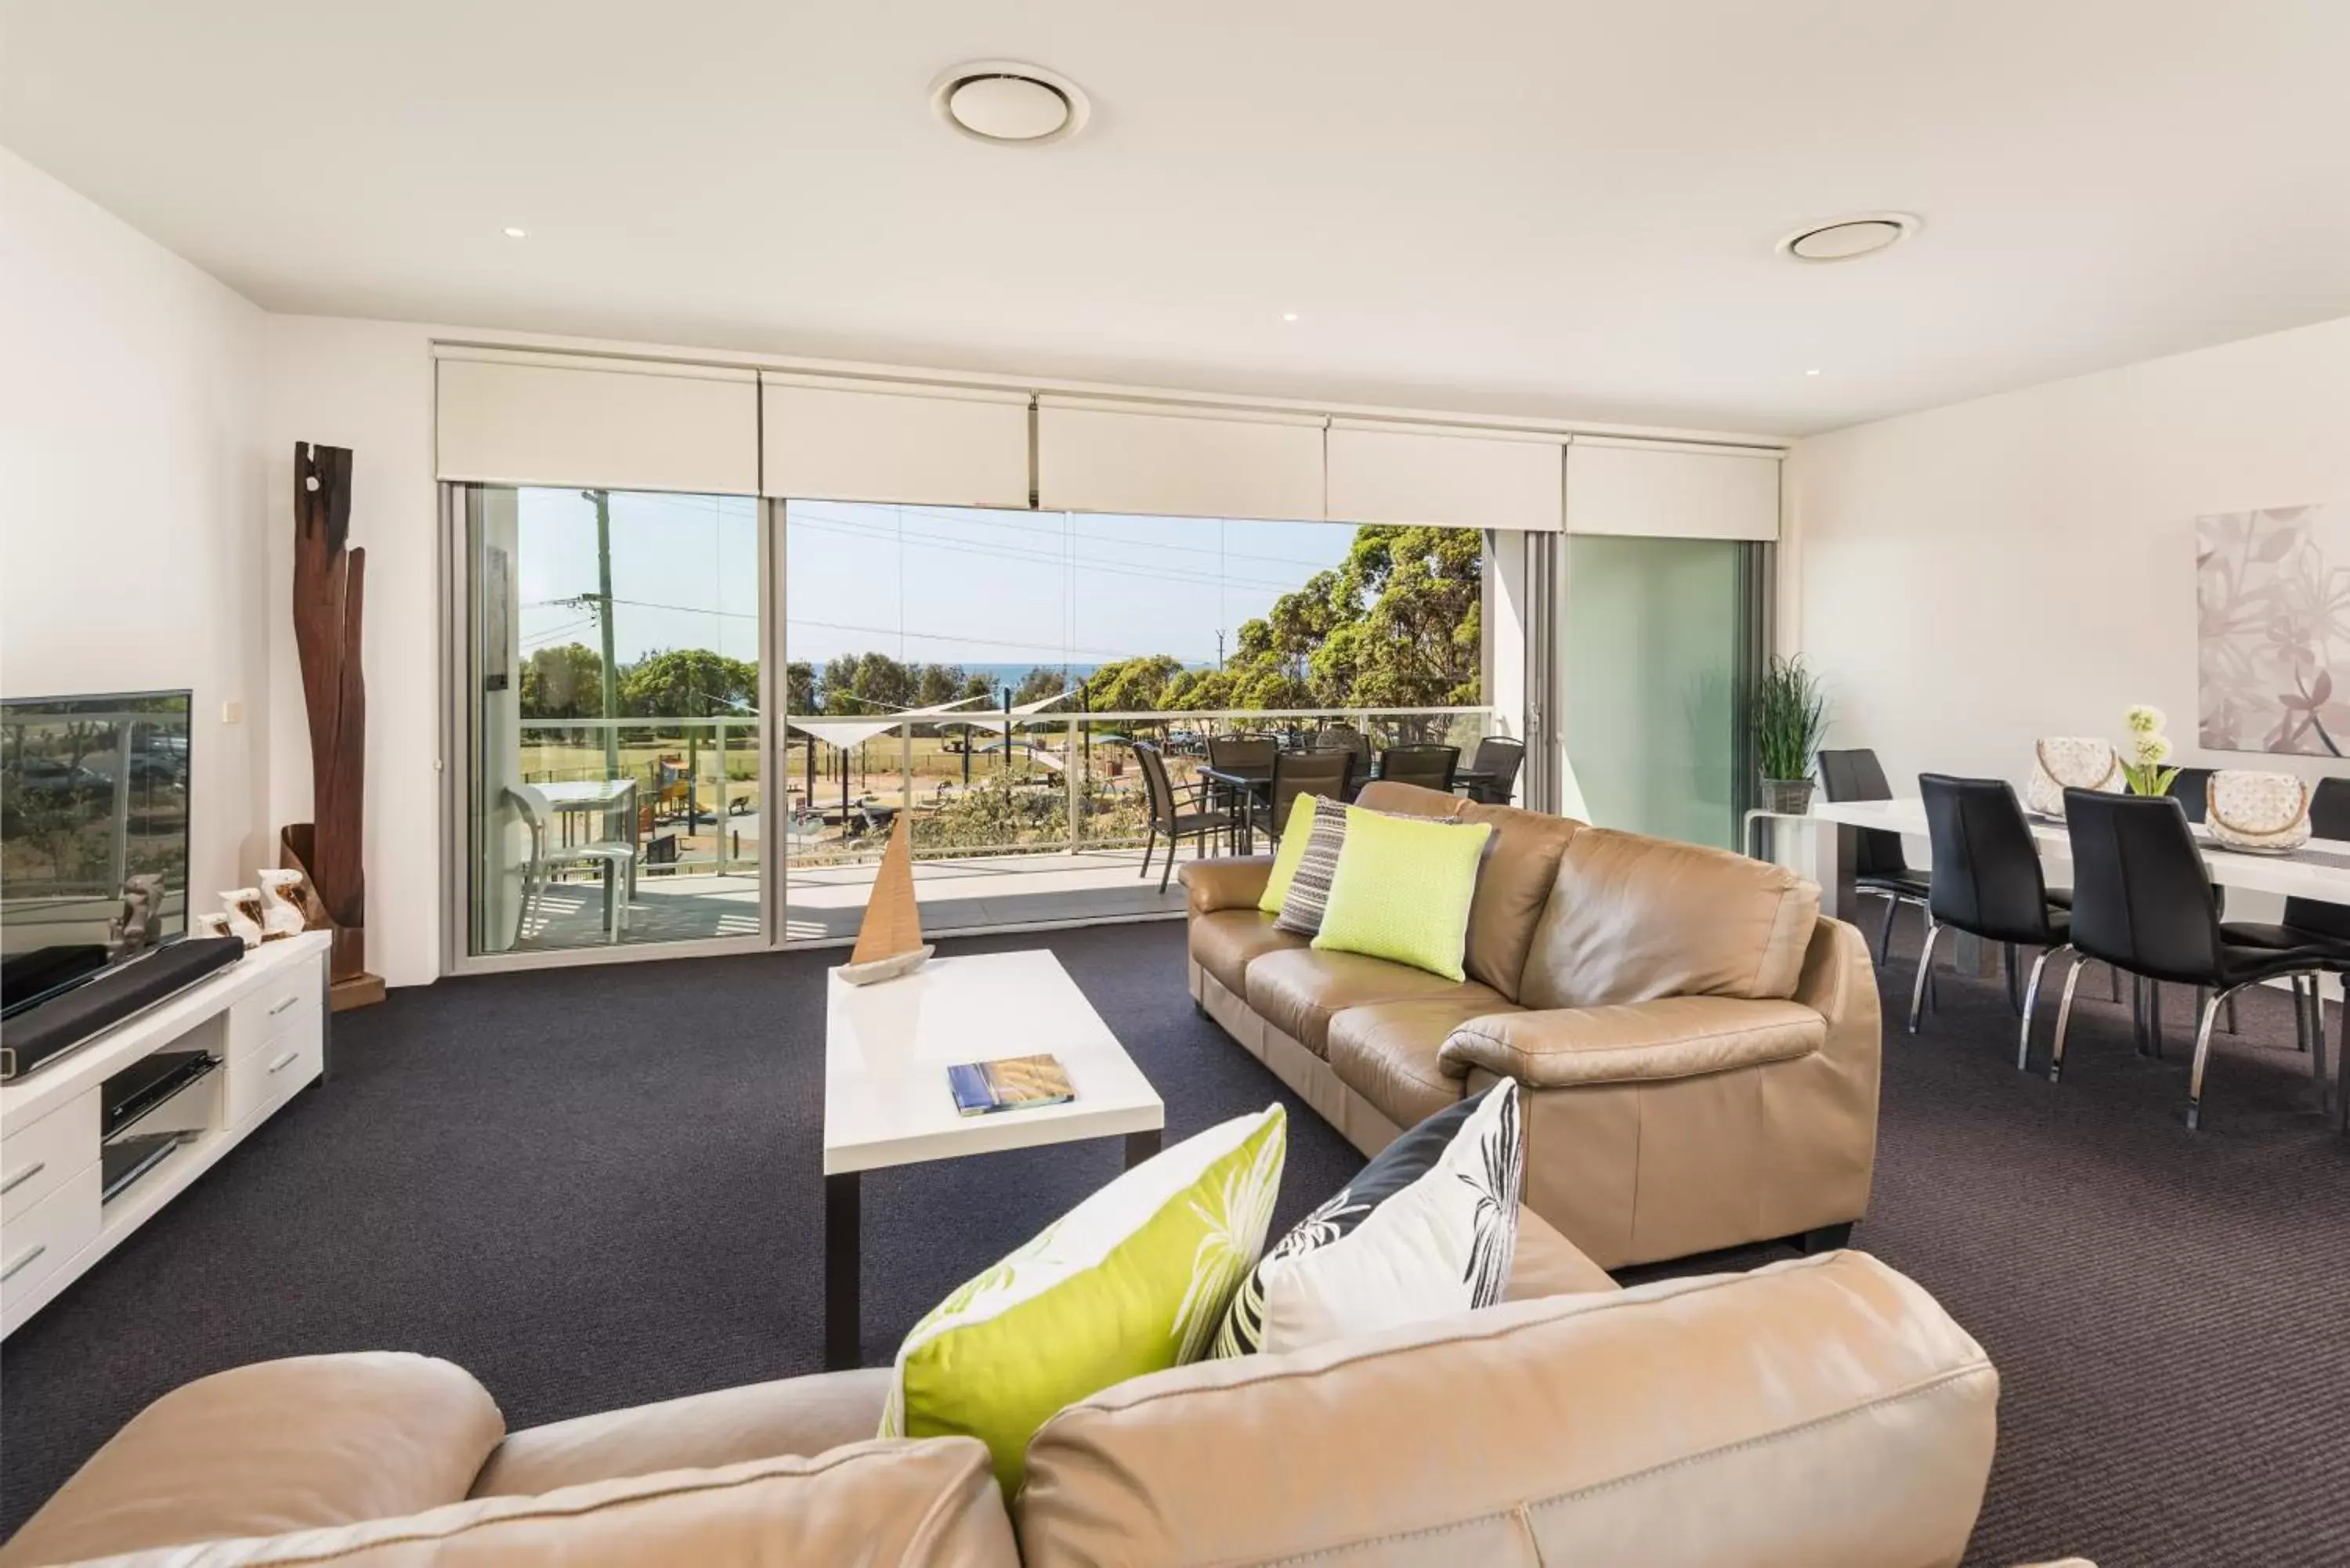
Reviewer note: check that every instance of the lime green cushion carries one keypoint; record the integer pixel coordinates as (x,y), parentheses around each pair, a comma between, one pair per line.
(1135,1279)
(1403,891)
(1292,849)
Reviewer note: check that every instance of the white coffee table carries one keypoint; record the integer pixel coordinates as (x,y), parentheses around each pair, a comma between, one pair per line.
(887,1049)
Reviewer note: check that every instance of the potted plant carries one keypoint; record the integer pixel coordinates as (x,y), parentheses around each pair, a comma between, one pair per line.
(1790,717)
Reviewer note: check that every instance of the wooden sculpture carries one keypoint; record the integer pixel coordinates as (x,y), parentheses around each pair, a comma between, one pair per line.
(890,942)
(330,589)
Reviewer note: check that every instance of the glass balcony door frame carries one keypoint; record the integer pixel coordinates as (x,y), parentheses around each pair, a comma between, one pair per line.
(461,740)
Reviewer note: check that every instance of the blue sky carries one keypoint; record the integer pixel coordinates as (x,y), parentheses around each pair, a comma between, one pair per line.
(921,583)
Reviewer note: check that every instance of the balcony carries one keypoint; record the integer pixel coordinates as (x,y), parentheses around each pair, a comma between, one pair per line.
(1018,819)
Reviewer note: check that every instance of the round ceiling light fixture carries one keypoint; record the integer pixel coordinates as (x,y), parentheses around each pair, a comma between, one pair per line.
(1010,104)
(1844,239)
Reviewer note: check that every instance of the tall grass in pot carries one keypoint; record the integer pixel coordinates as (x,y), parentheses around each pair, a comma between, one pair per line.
(1790,718)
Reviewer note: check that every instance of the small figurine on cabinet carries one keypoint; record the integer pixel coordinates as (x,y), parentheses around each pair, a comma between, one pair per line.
(242,910)
(284,895)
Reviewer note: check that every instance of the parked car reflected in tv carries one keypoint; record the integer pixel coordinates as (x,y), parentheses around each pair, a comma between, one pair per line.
(93,806)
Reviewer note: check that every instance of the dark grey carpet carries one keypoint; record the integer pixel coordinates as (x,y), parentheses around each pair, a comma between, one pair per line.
(597,1188)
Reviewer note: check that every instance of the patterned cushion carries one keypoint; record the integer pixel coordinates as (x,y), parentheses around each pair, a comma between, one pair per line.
(1426,1230)
(1309,885)
(1287,854)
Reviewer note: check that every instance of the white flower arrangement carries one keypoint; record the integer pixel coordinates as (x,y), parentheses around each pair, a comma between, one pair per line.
(2150,748)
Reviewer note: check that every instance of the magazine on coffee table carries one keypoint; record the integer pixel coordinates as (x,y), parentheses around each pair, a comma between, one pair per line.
(1014,1084)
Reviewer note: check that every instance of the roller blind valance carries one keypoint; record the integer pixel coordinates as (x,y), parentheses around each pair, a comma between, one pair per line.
(1107,455)
(1671,491)
(524,419)
(831,439)
(1388,473)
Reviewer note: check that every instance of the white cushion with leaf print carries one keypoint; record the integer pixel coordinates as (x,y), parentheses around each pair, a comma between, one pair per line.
(1428,1228)
(1135,1279)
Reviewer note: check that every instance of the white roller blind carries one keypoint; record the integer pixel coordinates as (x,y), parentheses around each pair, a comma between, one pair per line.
(1098,455)
(1671,491)
(844,440)
(520,419)
(1463,479)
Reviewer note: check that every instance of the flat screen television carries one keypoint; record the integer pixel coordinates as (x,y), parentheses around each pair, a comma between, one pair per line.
(93,807)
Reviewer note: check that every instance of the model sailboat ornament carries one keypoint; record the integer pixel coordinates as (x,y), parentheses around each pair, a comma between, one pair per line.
(890,942)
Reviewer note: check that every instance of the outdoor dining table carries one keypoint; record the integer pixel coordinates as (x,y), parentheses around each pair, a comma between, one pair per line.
(614,798)
(1244,788)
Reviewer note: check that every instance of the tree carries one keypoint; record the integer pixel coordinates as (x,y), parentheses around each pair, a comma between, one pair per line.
(1134,685)
(1044,680)
(799,687)
(939,683)
(566,682)
(689,683)
(1396,625)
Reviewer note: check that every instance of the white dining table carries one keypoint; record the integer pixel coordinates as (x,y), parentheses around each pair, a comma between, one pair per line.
(2319,870)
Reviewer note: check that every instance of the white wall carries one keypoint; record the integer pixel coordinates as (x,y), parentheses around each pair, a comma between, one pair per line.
(367,385)
(1972,577)
(131,514)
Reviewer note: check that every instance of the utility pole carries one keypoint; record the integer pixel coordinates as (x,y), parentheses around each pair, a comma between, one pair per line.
(1220,648)
(603,500)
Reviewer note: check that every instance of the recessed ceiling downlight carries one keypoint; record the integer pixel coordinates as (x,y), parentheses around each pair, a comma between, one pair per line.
(1842,239)
(1009,103)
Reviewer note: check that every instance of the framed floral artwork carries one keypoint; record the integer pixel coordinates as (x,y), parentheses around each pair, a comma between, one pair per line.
(2273,600)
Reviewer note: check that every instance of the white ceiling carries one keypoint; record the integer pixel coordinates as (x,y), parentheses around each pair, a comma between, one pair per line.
(1535,206)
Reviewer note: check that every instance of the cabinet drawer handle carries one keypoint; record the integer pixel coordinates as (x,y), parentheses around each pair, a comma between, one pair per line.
(286,1003)
(12,1270)
(285,1061)
(22,1177)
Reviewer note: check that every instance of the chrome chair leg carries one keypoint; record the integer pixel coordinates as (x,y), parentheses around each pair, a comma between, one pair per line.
(1885,937)
(2063,1019)
(2031,1003)
(2299,1015)
(2202,1054)
(2317,1036)
(2231,1016)
(1925,972)
(2007,968)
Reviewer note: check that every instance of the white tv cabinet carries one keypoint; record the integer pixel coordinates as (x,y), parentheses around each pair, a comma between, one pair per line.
(264,1019)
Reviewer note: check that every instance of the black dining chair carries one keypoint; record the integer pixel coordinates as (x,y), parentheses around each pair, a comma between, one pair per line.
(1174,811)
(2308,922)
(1326,774)
(1986,882)
(1880,867)
(2142,901)
(1499,757)
(1244,754)
(2192,788)
(1431,767)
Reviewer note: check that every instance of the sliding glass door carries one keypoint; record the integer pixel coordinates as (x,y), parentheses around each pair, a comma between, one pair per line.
(613,706)
(1657,654)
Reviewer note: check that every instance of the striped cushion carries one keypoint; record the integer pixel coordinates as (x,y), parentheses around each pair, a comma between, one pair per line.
(1309,888)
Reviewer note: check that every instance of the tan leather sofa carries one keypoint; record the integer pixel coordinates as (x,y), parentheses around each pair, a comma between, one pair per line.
(1824,1412)
(1698,1045)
